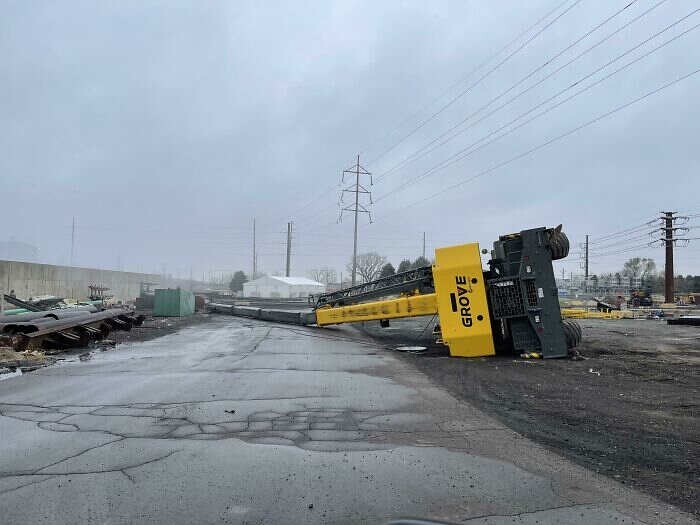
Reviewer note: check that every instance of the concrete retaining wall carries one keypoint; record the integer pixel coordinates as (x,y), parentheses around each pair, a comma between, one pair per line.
(32,279)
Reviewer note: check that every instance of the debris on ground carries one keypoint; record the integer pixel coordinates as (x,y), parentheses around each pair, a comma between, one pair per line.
(11,359)
(412,349)
(9,374)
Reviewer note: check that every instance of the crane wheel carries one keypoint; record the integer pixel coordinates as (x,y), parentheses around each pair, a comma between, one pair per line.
(572,333)
(558,243)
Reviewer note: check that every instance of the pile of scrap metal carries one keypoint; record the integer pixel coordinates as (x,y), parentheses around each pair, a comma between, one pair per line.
(607,306)
(41,304)
(64,328)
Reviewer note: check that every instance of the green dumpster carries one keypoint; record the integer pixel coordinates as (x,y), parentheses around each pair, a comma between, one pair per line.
(173,302)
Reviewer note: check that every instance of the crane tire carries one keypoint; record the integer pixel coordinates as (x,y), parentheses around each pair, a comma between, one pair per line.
(558,243)
(572,333)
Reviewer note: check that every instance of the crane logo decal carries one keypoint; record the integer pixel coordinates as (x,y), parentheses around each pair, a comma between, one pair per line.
(460,300)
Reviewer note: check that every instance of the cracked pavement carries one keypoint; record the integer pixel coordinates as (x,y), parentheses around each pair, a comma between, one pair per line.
(239,421)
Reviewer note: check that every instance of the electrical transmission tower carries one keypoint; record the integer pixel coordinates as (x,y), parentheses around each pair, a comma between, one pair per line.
(669,229)
(356,207)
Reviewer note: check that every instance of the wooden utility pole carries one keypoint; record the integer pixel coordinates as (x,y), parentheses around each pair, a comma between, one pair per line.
(289,248)
(72,242)
(255,255)
(356,207)
(585,281)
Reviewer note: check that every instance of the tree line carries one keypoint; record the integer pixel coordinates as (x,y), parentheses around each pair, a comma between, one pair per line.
(644,270)
(371,266)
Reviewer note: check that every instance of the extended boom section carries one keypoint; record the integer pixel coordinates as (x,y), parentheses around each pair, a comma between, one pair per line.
(407,306)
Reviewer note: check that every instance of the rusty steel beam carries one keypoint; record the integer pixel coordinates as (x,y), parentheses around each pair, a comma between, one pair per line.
(78,330)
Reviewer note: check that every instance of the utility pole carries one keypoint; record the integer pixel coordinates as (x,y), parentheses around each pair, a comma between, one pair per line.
(72,242)
(668,241)
(669,238)
(356,208)
(423,245)
(585,286)
(255,255)
(289,247)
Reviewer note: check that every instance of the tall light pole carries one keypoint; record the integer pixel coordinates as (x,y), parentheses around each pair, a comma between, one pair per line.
(289,248)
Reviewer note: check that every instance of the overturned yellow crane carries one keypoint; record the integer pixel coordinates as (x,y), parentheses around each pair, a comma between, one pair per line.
(459,298)
(513,306)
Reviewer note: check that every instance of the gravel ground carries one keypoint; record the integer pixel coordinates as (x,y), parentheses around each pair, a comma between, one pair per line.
(629,410)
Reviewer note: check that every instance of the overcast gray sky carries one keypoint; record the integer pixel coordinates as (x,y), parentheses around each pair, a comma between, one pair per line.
(166,126)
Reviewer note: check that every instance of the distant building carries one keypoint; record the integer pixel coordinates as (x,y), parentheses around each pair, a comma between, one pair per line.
(18,251)
(270,286)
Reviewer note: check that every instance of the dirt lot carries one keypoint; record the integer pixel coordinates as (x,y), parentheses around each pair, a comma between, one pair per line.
(629,410)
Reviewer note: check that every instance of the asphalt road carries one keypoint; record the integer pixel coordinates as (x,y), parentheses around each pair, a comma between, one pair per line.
(629,410)
(239,421)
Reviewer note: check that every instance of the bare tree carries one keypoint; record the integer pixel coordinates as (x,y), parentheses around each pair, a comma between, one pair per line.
(323,275)
(369,265)
(639,267)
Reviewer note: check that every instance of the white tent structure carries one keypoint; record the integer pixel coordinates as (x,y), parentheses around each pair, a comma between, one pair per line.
(282,287)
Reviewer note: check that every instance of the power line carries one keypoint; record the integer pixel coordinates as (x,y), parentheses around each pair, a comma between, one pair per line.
(456,158)
(622,242)
(473,85)
(424,150)
(554,139)
(632,229)
(472,72)
(623,250)
(465,152)
(375,159)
